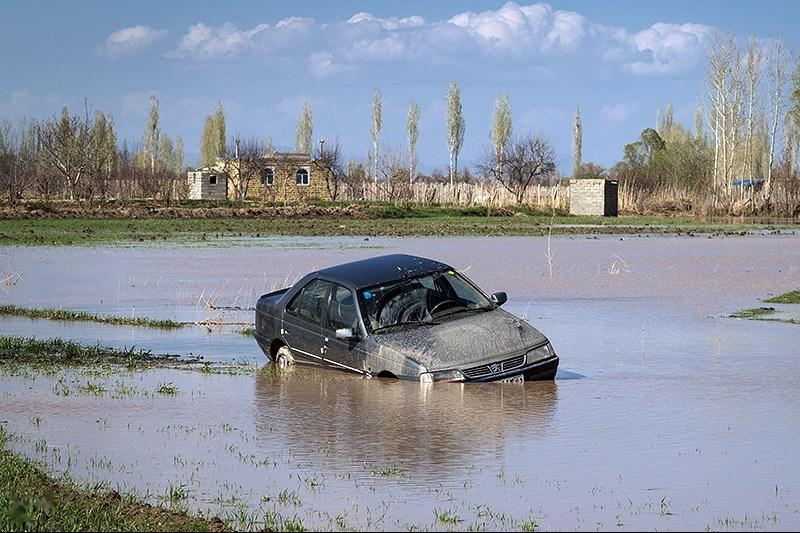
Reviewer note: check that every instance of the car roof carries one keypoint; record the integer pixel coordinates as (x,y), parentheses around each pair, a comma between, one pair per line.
(382,269)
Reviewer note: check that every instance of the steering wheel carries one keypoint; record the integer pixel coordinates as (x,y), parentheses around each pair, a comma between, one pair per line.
(440,304)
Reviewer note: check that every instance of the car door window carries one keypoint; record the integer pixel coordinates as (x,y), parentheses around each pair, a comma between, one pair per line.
(342,309)
(309,302)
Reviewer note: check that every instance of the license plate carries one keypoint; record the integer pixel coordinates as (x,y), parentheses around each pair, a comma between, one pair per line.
(519,378)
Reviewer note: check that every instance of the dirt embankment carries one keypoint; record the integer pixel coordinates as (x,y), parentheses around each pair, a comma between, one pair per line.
(153,211)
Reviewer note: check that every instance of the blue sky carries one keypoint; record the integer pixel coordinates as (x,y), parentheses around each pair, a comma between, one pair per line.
(618,60)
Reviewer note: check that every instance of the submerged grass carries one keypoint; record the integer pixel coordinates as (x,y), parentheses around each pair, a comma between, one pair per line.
(65,314)
(31,351)
(755,312)
(763,313)
(30,500)
(791,297)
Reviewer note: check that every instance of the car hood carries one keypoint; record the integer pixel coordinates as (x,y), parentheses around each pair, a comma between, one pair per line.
(462,342)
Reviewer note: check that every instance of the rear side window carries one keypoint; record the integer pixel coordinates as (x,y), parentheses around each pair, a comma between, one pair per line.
(342,309)
(309,302)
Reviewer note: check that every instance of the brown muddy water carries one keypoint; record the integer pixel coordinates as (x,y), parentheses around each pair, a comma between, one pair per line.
(664,414)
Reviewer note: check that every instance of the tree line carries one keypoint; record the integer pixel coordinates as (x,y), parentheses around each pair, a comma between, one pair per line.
(745,137)
(77,156)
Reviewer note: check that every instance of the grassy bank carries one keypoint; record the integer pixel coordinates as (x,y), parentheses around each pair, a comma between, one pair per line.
(64,314)
(791,297)
(30,351)
(54,231)
(30,500)
(769,313)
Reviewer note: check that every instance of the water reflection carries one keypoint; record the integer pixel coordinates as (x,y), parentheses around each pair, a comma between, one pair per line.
(340,419)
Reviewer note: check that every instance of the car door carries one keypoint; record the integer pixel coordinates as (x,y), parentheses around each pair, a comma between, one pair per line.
(302,321)
(343,313)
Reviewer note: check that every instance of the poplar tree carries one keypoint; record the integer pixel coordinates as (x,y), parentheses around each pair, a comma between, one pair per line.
(577,141)
(375,128)
(454,132)
(304,131)
(412,134)
(151,134)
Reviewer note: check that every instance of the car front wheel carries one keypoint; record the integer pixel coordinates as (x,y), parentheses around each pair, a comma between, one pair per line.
(284,357)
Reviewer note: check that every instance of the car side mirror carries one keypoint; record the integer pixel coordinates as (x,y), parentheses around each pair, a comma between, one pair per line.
(499,298)
(346,334)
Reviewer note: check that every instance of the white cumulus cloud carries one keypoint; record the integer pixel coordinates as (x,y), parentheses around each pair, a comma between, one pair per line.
(533,36)
(131,40)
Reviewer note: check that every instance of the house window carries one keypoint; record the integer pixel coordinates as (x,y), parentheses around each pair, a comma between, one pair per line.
(212,180)
(267,177)
(302,177)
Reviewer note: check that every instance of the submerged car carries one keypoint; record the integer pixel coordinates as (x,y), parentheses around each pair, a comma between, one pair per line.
(401,316)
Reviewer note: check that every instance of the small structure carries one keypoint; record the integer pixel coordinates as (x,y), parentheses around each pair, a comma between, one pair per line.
(208,184)
(276,176)
(593,197)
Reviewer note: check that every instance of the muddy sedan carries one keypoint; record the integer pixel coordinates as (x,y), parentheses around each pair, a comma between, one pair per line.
(401,316)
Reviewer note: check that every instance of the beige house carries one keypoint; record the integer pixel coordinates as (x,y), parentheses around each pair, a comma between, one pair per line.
(278,176)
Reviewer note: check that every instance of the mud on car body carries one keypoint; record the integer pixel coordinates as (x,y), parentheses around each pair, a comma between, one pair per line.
(401,316)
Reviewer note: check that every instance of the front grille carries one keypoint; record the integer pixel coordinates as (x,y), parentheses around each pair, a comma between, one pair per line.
(495,368)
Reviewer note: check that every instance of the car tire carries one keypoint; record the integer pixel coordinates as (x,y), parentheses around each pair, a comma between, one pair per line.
(284,357)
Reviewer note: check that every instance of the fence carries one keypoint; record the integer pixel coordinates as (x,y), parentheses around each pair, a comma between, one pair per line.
(481,193)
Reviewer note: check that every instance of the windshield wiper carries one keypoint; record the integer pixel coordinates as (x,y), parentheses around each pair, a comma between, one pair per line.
(407,323)
(465,310)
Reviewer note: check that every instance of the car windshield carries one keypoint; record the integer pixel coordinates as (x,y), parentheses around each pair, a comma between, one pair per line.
(423,300)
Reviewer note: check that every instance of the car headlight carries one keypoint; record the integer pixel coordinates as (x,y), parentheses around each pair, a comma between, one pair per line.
(444,375)
(542,352)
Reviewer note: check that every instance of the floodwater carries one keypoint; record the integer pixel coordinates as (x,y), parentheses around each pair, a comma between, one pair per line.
(664,414)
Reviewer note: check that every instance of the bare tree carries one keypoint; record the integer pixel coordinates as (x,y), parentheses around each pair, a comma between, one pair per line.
(17,159)
(394,175)
(375,129)
(329,161)
(64,142)
(777,70)
(454,132)
(577,141)
(101,156)
(528,160)
(412,134)
(752,71)
(244,161)
(724,86)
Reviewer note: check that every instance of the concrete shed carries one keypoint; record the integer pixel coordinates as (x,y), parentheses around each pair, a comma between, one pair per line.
(593,197)
(208,184)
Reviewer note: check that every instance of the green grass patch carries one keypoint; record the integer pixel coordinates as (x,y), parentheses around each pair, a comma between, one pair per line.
(755,312)
(168,389)
(380,220)
(791,297)
(30,500)
(247,331)
(38,352)
(65,314)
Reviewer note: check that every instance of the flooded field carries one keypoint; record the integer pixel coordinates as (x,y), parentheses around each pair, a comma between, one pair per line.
(665,414)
